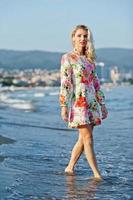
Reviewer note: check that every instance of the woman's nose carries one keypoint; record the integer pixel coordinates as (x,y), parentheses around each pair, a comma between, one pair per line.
(83,37)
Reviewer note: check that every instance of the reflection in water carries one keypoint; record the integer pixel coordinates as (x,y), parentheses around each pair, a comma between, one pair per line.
(81,189)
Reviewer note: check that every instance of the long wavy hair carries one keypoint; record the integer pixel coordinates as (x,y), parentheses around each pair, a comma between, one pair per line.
(90,50)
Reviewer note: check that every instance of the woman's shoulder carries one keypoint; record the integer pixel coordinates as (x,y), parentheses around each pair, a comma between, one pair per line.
(70,56)
(64,58)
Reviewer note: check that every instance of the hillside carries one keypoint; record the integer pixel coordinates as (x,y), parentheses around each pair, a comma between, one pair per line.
(10,59)
(29,59)
(123,58)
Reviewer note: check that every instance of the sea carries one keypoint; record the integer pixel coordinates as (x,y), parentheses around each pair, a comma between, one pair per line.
(35,147)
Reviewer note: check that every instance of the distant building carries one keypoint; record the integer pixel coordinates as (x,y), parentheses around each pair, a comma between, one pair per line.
(127,76)
(101,65)
(115,75)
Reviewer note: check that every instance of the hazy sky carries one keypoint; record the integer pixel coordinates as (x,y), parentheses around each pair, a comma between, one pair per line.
(47,24)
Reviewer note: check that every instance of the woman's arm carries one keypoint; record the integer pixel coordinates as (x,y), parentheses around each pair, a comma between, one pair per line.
(100,95)
(66,81)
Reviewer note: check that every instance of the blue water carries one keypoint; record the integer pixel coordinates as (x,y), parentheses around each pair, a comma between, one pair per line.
(34,164)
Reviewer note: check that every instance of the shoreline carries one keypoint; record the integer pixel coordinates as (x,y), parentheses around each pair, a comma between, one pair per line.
(6,140)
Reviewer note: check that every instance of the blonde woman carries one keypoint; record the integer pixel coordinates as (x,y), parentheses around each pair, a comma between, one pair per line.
(81,99)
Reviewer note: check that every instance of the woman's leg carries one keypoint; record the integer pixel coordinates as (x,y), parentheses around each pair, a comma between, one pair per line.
(86,133)
(76,152)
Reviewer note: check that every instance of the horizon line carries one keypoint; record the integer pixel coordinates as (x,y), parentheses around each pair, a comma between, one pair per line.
(24,50)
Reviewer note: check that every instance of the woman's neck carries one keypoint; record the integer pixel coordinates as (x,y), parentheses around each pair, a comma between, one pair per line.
(80,51)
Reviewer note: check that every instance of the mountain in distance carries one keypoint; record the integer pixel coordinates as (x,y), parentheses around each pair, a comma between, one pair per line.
(14,59)
(120,57)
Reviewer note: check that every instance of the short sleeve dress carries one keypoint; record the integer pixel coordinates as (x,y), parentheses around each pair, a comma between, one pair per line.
(80,91)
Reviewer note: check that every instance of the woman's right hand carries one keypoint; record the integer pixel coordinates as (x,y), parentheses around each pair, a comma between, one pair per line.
(64,113)
(104,111)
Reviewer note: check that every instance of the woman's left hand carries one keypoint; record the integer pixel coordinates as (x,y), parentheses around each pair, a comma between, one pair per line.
(64,113)
(104,111)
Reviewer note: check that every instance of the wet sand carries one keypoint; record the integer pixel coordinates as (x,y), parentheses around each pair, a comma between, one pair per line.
(5,140)
(2,158)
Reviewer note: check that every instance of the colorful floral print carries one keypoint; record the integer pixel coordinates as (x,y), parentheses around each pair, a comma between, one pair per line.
(80,90)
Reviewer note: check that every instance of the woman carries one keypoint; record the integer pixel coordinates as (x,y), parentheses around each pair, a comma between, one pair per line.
(80,88)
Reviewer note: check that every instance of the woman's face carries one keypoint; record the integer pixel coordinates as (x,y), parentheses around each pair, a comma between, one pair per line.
(80,38)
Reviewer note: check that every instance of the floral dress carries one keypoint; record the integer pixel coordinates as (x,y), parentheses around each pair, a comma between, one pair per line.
(80,91)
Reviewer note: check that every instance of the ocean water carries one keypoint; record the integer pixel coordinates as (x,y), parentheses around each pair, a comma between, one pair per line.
(32,166)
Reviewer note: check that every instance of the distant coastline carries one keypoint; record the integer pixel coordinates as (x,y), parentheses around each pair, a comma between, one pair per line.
(42,68)
(15,59)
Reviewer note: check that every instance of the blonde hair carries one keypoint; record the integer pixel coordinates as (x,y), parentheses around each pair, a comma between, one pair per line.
(90,50)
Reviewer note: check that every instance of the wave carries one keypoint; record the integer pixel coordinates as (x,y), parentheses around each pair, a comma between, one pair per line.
(39,94)
(17,103)
(54,93)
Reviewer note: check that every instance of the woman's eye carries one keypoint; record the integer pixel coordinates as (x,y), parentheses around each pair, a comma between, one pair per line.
(84,36)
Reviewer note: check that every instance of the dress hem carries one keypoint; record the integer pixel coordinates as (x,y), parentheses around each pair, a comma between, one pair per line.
(72,127)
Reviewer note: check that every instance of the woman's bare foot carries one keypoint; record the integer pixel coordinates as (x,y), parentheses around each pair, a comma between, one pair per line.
(98,177)
(69,170)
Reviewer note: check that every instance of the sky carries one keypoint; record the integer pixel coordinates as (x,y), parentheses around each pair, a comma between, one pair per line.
(47,24)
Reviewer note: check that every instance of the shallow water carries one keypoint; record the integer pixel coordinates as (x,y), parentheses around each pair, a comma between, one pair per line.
(33,166)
